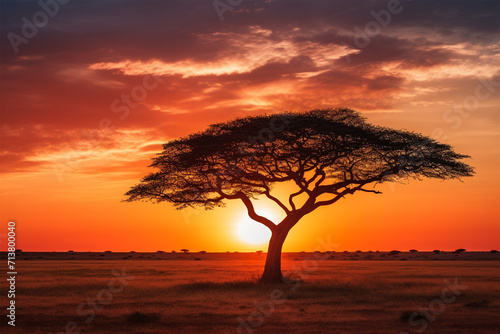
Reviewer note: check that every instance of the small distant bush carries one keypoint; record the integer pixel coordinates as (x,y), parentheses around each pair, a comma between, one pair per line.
(203,252)
(132,251)
(142,318)
(259,252)
(394,252)
(481,304)
(358,251)
(197,259)
(107,251)
(405,316)
(436,251)
(173,252)
(70,251)
(185,251)
(413,251)
(460,250)
(160,252)
(493,251)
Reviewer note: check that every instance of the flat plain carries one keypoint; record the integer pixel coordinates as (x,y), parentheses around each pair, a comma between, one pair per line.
(217,293)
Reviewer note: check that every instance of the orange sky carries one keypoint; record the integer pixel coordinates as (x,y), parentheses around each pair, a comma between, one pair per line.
(87,102)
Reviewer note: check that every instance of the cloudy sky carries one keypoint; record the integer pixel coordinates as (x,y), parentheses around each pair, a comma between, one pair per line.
(90,89)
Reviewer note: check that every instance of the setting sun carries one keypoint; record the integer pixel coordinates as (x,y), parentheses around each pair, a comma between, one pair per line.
(252,232)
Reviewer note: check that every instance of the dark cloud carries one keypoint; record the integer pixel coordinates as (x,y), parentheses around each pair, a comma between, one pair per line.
(412,53)
(292,50)
(385,82)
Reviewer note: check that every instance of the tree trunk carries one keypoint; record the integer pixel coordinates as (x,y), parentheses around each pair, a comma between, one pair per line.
(272,270)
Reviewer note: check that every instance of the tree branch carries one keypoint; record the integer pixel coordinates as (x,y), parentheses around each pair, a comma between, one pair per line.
(251,210)
(331,201)
(347,191)
(369,191)
(267,192)
(290,199)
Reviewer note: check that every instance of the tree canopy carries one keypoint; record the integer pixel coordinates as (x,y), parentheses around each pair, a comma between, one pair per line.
(329,151)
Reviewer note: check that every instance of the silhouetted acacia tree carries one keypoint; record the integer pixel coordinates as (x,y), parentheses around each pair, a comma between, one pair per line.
(327,155)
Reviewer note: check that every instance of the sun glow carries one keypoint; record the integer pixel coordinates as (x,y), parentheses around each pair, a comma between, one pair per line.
(255,233)
(252,232)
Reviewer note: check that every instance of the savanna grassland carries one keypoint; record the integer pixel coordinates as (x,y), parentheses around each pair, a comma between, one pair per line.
(218,294)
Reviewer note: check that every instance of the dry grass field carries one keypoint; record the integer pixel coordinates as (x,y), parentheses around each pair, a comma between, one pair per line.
(173,293)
